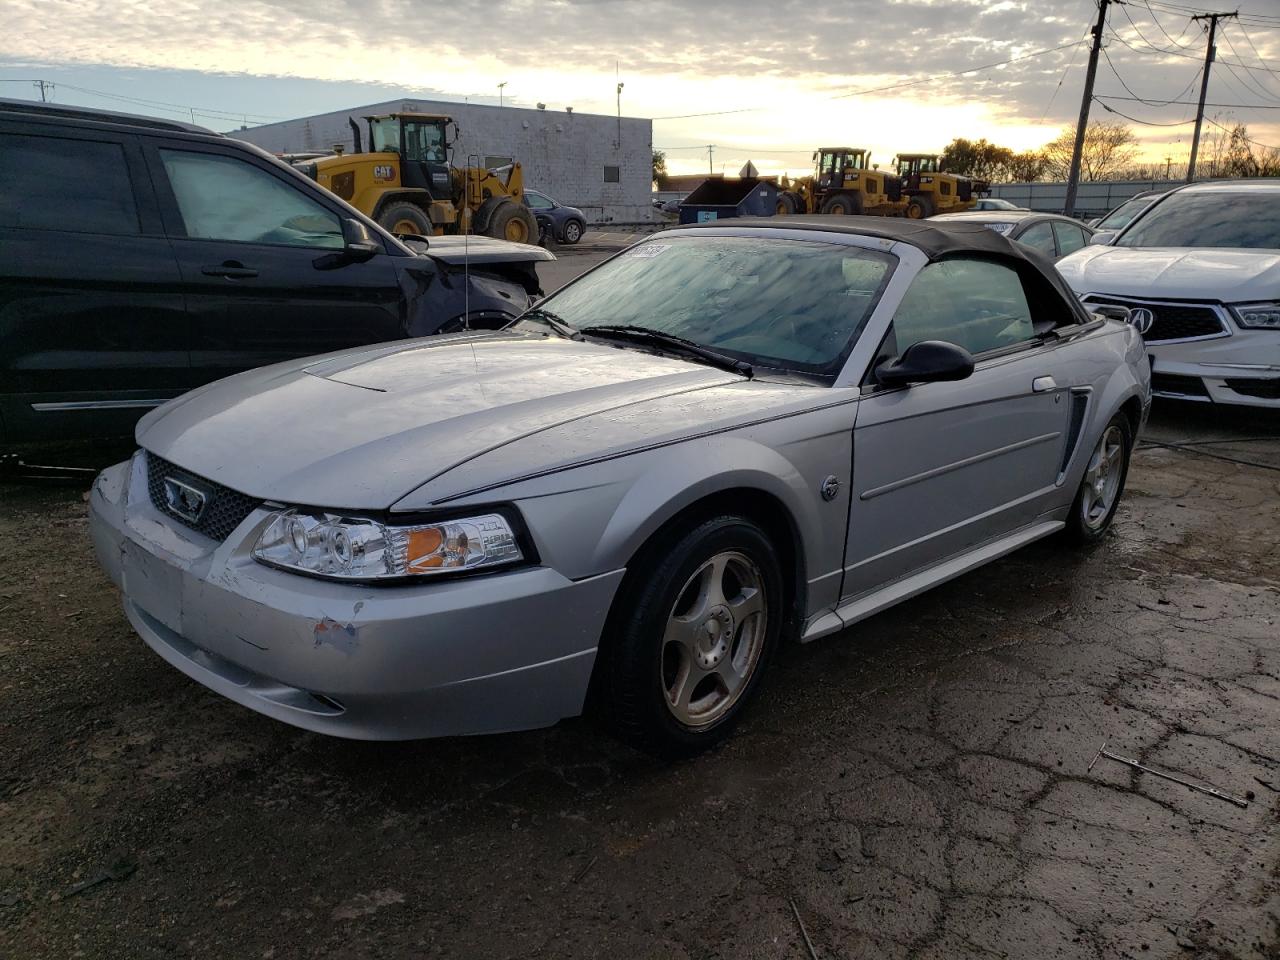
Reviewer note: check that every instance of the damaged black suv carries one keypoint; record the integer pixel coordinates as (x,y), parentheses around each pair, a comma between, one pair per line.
(140,258)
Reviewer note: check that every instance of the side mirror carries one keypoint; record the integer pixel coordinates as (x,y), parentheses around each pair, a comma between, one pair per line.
(1102,238)
(929,361)
(357,243)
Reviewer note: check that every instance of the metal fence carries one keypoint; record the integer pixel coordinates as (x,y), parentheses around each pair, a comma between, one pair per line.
(1092,199)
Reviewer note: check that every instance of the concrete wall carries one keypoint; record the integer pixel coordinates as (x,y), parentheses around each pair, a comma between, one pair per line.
(563,154)
(1092,199)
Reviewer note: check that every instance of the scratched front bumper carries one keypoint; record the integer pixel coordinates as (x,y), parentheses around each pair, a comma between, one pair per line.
(487,654)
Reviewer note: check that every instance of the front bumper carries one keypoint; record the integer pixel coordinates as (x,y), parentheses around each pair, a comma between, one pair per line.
(1242,368)
(486,654)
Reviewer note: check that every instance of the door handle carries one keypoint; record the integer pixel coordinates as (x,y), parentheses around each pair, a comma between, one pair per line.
(231,269)
(1043,384)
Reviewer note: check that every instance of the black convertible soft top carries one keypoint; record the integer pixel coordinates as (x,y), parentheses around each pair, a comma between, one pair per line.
(936,239)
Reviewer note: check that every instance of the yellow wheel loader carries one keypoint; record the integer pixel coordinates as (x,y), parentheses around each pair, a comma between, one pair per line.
(843,184)
(405,182)
(930,190)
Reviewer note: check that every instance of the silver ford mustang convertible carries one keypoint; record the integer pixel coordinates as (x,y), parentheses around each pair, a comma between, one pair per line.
(723,438)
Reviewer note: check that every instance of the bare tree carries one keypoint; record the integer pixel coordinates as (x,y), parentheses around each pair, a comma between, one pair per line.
(1025,167)
(1108,146)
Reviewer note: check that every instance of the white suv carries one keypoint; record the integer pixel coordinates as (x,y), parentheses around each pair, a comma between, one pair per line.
(1204,260)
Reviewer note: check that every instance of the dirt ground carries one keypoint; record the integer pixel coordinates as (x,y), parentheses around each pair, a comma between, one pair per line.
(918,786)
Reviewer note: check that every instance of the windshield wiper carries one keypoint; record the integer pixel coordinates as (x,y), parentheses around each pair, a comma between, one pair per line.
(626,331)
(554,322)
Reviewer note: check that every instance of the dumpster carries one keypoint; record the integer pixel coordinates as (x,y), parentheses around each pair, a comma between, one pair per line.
(718,199)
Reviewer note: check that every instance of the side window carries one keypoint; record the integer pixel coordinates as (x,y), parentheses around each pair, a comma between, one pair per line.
(1039,237)
(612,174)
(535,201)
(223,198)
(1070,237)
(975,304)
(74,186)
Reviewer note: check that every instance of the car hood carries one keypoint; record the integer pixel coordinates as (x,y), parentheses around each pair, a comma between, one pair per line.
(456,250)
(360,429)
(1192,273)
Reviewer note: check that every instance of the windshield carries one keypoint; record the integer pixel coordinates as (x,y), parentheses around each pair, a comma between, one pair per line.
(791,304)
(424,141)
(1124,214)
(1213,218)
(384,135)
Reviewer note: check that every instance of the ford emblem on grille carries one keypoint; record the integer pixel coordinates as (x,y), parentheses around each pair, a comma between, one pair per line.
(184,500)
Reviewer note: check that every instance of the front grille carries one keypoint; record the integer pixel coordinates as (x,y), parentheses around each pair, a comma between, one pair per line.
(224,508)
(1176,385)
(1174,321)
(1259,388)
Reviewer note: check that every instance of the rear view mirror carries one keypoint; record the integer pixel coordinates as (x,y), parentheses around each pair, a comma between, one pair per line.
(928,361)
(1102,238)
(357,243)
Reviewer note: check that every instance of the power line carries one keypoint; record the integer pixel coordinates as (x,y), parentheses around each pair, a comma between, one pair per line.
(1172,39)
(1150,103)
(1189,103)
(1242,136)
(1266,91)
(1145,123)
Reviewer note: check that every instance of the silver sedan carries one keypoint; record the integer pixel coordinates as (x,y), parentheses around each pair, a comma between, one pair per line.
(724,438)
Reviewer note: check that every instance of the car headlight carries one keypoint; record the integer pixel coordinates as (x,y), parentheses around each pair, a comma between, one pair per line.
(355,548)
(1262,316)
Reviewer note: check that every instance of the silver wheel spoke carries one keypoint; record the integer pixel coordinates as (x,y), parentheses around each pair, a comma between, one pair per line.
(712,642)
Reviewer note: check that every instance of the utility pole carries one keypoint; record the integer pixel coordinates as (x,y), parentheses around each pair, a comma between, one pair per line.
(45,87)
(617,78)
(1168,164)
(500,87)
(1073,178)
(1209,53)
(711,159)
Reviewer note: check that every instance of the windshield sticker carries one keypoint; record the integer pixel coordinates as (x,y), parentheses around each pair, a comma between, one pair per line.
(1000,228)
(647,251)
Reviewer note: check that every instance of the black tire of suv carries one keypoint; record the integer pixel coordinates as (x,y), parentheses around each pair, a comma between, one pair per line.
(402,211)
(572,232)
(630,694)
(1077,531)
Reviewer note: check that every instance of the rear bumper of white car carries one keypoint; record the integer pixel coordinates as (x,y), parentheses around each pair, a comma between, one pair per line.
(485,654)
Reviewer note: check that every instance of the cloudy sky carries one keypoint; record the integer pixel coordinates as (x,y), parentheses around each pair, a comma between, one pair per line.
(760,79)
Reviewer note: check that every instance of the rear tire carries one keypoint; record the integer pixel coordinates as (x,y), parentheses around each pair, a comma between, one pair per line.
(512,221)
(405,217)
(786,205)
(1102,486)
(690,636)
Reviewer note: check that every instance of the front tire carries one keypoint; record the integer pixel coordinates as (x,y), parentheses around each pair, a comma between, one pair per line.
(690,637)
(843,205)
(403,217)
(572,232)
(1102,486)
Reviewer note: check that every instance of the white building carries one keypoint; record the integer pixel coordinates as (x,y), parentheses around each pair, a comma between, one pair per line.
(602,164)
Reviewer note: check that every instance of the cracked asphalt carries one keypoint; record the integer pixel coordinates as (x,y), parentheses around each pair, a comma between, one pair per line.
(918,786)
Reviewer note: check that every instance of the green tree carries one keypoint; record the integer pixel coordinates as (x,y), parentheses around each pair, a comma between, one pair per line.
(975,158)
(659,170)
(1025,167)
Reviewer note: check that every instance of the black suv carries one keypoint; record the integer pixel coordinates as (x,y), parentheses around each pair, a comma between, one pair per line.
(140,258)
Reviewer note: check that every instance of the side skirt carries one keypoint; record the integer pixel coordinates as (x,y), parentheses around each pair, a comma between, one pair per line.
(869,604)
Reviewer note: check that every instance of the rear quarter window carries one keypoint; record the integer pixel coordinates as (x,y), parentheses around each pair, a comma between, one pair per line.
(65,184)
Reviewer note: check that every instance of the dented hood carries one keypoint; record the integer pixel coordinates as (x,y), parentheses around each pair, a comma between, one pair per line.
(360,429)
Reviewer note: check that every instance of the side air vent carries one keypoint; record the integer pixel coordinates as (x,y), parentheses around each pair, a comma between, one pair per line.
(1079,404)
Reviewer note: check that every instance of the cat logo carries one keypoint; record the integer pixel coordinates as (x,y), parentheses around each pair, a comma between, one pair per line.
(384,171)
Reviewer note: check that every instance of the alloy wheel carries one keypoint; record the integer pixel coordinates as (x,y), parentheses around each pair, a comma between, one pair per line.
(1102,479)
(714,637)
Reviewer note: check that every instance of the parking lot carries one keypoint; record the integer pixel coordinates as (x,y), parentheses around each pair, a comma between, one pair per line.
(917,786)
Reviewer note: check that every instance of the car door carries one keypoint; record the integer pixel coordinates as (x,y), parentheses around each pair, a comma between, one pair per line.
(541,206)
(940,468)
(92,326)
(260,263)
